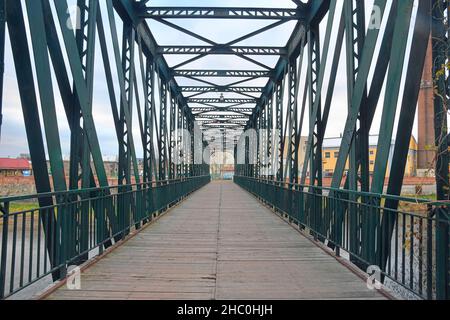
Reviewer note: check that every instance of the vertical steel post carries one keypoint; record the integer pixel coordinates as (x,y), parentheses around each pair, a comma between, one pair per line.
(20,50)
(4,248)
(279,117)
(314,141)
(440,59)
(405,127)
(359,152)
(162,131)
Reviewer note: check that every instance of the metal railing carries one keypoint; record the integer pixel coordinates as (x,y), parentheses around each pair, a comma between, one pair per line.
(405,239)
(42,235)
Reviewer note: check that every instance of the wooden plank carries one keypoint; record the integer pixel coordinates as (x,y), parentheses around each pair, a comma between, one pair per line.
(221,243)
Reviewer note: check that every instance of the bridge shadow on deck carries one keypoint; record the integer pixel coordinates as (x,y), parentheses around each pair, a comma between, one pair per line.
(221,243)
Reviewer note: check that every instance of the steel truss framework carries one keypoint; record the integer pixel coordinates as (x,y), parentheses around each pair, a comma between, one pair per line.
(140,86)
(224,13)
(282,118)
(140,82)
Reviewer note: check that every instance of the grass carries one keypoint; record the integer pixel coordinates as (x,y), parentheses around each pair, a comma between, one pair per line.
(22,206)
(415,207)
(430,197)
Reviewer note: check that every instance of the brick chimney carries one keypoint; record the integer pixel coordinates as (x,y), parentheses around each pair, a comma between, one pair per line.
(426,114)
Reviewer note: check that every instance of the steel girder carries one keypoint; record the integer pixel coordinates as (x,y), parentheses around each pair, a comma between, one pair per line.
(128,11)
(206,121)
(316,74)
(353,161)
(23,64)
(148,78)
(222,101)
(222,50)
(440,41)
(202,110)
(406,122)
(218,116)
(72,58)
(162,110)
(222,13)
(311,11)
(354,39)
(222,89)
(222,73)
(163,132)
(308,13)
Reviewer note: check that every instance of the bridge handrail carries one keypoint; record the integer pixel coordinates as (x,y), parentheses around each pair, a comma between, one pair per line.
(94,189)
(77,225)
(352,192)
(406,238)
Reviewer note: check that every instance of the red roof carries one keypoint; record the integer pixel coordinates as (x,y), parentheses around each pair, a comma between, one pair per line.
(14,164)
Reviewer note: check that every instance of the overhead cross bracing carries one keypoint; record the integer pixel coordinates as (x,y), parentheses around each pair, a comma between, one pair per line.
(224,13)
(289,74)
(214,91)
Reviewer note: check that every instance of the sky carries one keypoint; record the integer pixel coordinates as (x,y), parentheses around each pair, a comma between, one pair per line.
(13,140)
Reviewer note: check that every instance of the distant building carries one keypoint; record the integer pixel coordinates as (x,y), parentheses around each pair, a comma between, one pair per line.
(24,156)
(330,155)
(15,167)
(331,147)
(111,168)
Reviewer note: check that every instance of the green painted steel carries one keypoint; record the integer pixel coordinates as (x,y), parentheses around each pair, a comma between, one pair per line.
(406,122)
(357,99)
(424,221)
(441,98)
(139,80)
(126,74)
(19,46)
(149,200)
(81,90)
(316,78)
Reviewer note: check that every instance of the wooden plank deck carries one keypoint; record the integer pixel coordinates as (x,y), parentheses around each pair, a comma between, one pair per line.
(221,243)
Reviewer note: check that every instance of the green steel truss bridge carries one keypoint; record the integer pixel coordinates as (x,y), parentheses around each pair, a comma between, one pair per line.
(78,213)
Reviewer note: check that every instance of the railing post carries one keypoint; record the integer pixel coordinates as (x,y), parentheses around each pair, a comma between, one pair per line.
(5,211)
(338,232)
(442,253)
(429,268)
(67,245)
(302,208)
(100,230)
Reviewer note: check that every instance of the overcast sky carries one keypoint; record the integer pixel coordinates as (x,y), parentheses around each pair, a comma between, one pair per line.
(13,140)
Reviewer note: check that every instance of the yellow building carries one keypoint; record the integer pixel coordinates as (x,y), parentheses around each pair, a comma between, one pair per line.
(330,155)
(411,164)
(331,148)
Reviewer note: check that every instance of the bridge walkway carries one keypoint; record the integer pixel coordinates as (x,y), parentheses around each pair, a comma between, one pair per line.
(221,243)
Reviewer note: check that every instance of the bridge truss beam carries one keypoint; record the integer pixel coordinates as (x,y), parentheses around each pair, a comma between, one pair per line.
(222,13)
(222,73)
(222,89)
(142,87)
(143,79)
(222,50)
(368,236)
